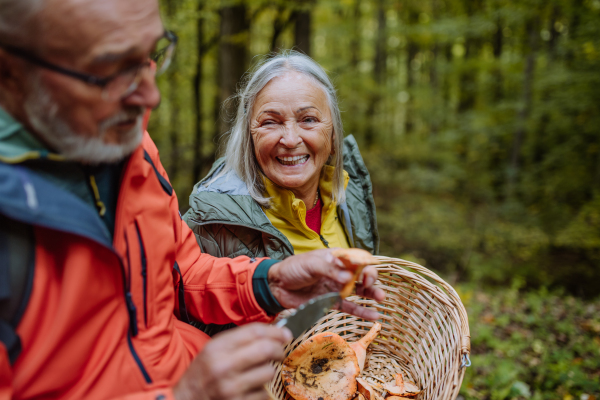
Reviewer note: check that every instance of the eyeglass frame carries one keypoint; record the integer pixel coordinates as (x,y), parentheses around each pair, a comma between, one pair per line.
(90,79)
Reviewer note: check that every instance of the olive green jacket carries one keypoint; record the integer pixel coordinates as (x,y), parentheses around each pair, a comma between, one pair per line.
(228,222)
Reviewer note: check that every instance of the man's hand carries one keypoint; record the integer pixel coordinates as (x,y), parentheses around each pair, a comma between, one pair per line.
(234,365)
(300,278)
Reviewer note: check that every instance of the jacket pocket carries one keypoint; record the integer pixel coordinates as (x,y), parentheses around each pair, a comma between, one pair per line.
(154,251)
(144,272)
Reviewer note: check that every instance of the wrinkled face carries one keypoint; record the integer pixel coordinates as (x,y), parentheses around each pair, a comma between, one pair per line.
(292,130)
(97,38)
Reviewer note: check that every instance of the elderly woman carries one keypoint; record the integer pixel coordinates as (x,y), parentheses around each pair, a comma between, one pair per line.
(289,182)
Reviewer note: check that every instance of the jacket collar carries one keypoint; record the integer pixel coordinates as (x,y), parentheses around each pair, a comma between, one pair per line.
(285,205)
(17,144)
(228,183)
(27,197)
(226,200)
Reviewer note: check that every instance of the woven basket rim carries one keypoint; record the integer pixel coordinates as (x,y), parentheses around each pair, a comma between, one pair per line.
(417,280)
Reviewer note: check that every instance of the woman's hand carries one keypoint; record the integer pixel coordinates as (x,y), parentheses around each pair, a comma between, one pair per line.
(300,278)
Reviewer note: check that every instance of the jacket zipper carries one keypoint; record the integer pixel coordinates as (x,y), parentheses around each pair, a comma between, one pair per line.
(144,272)
(132,311)
(137,359)
(131,308)
(128,299)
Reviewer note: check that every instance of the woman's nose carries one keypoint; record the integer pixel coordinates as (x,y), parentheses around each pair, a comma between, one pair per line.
(290,136)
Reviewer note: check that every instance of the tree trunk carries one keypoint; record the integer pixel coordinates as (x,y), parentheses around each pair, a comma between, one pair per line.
(540,148)
(435,91)
(467,80)
(412,48)
(527,98)
(434,79)
(497,91)
(468,75)
(497,159)
(232,62)
(355,42)
(447,84)
(379,64)
(173,169)
(553,32)
(278,26)
(197,158)
(302,29)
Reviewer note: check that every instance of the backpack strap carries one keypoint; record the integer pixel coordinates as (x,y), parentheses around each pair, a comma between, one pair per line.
(17,247)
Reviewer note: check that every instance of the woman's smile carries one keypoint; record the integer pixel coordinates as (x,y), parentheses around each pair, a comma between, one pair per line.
(293,160)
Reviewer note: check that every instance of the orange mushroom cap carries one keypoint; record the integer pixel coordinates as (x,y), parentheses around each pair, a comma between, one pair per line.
(324,367)
(354,260)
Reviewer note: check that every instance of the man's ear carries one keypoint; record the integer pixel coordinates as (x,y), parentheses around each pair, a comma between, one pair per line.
(6,73)
(12,75)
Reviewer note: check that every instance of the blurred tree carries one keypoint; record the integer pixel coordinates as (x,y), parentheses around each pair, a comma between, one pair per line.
(479,119)
(379,74)
(174,99)
(233,59)
(302,27)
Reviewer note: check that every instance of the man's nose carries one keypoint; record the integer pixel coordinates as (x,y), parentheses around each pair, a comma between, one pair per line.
(146,94)
(290,136)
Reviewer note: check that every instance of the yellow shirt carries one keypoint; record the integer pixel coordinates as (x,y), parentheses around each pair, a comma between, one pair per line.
(288,215)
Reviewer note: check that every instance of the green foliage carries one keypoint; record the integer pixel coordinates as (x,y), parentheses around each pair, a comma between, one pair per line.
(482,136)
(478,119)
(534,345)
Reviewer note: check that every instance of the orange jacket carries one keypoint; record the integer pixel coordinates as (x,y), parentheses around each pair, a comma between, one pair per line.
(101,319)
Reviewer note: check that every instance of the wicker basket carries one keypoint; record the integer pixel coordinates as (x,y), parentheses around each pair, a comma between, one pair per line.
(424,335)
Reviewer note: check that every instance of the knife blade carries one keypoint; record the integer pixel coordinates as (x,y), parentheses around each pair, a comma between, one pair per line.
(307,314)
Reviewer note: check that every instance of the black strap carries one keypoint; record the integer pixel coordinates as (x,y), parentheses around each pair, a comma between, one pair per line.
(164,183)
(183,314)
(17,247)
(212,329)
(10,339)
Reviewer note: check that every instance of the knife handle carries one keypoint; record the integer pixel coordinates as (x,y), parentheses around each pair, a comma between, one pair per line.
(281,323)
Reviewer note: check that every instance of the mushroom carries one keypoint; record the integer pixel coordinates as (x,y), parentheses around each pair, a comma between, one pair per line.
(324,367)
(402,388)
(360,346)
(366,390)
(410,389)
(396,398)
(354,260)
(393,389)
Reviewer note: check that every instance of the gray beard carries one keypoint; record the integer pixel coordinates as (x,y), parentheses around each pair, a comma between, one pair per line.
(42,113)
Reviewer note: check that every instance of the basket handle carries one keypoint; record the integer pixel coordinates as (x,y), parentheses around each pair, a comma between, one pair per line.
(466,361)
(462,313)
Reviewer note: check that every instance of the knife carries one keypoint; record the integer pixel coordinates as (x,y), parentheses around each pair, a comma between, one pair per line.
(307,314)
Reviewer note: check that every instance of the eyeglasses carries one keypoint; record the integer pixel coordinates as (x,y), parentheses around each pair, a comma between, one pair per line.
(120,84)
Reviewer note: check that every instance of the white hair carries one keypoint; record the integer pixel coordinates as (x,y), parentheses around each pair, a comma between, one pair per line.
(15,16)
(239,152)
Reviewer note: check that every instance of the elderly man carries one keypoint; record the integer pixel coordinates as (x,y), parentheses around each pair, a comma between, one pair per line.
(98,274)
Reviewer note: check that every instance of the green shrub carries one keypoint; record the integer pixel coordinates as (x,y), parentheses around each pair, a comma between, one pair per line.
(533,344)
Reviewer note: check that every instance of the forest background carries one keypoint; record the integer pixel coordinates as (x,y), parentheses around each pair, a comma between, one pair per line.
(479,121)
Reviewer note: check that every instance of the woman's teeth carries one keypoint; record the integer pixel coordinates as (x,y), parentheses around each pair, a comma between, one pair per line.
(293,160)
